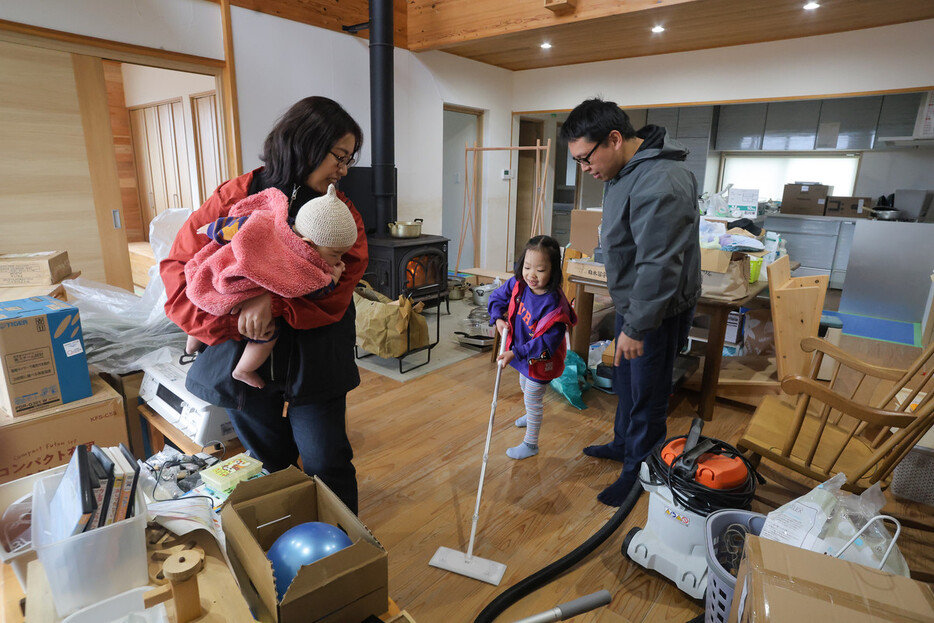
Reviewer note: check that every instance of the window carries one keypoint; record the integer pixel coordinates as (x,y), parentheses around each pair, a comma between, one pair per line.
(770,173)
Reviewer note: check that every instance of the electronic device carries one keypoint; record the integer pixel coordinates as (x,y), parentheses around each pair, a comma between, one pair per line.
(163,389)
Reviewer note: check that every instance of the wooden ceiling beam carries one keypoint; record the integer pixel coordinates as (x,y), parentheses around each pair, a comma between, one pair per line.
(438,24)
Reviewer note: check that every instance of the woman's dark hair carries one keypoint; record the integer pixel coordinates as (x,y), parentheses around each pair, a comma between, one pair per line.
(549,246)
(302,138)
(594,119)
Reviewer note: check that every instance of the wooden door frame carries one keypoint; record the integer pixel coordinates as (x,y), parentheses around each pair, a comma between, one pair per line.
(478,174)
(105,183)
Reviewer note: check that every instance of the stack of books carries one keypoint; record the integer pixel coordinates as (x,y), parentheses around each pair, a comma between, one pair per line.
(97,489)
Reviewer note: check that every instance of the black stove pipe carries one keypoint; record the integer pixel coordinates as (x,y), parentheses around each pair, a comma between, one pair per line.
(381,114)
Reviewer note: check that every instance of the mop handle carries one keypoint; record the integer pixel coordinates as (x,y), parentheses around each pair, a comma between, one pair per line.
(486,448)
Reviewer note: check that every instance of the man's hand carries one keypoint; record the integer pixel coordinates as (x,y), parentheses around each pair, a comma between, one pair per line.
(626,348)
(255,321)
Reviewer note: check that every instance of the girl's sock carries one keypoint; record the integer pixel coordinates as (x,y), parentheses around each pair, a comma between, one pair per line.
(523,451)
(521,422)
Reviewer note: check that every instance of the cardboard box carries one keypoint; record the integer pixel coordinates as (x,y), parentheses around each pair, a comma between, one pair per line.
(734,329)
(850,207)
(588,269)
(43,439)
(33,269)
(585,235)
(345,587)
(43,358)
(805,199)
(609,354)
(778,582)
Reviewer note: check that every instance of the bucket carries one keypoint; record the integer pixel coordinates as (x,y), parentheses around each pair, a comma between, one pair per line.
(726,530)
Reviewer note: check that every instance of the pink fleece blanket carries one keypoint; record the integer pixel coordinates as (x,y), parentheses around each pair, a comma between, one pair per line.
(265,254)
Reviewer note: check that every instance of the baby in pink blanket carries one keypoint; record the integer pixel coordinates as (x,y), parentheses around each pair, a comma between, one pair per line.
(254,249)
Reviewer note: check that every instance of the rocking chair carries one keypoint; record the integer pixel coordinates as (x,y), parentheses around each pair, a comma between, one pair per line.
(826,431)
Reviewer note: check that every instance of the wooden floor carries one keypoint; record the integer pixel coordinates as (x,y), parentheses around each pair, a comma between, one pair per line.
(419,446)
(418,449)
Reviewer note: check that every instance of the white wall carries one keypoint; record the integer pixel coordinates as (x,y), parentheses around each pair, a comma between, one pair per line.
(884,172)
(875,59)
(148,85)
(189,26)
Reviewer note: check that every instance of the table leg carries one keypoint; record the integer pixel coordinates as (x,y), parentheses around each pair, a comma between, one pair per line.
(580,334)
(713,356)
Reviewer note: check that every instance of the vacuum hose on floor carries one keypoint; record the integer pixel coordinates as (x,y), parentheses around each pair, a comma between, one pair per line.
(548,574)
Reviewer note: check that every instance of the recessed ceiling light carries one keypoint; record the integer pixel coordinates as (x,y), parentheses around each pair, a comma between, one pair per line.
(546,46)
(658,29)
(810,6)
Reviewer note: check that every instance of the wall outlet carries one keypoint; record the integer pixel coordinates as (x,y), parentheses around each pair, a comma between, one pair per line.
(506,174)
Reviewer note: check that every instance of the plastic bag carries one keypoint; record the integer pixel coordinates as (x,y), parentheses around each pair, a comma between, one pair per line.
(825,518)
(573,381)
(124,332)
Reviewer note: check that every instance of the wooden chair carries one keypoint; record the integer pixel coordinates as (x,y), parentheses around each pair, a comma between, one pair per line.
(827,431)
(797,303)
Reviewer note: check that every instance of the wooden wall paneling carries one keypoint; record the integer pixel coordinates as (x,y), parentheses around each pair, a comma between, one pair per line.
(102,164)
(123,149)
(46,201)
(143,176)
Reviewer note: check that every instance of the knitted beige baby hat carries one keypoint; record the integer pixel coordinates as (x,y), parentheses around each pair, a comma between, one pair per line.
(326,221)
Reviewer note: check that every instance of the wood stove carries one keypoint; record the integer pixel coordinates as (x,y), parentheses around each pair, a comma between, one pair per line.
(413,267)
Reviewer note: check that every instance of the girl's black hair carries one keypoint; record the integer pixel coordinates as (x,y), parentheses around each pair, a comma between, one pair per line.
(550,247)
(594,119)
(302,138)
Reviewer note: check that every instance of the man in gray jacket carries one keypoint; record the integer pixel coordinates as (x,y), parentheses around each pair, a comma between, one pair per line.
(651,246)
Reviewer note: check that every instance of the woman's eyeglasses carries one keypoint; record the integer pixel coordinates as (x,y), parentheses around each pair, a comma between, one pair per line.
(348,160)
(584,161)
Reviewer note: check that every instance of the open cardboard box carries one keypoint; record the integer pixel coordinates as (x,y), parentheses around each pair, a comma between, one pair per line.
(779,582)
(345,587)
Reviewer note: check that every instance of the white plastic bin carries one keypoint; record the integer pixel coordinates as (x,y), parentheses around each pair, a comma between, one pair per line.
(10,492)
(92,566)
(720,583)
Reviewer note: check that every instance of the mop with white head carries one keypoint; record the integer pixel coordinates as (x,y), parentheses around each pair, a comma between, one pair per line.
(468,564)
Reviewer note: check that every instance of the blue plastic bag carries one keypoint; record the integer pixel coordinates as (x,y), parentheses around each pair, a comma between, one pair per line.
(573,381)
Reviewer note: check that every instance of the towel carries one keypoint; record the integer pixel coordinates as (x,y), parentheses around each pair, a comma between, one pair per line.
(265,254)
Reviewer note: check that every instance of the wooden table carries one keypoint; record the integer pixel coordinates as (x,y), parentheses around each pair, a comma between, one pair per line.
(718,311)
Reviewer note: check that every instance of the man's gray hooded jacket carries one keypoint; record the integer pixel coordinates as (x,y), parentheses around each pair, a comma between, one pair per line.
(650,235)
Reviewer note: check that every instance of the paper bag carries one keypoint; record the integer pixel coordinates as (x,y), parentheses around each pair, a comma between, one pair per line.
(385,327)
(726,280)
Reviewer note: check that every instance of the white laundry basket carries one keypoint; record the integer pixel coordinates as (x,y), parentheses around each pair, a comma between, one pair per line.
(720,583)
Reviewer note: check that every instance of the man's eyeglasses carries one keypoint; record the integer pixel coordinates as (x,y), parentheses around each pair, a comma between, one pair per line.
(348,160)
(585,160)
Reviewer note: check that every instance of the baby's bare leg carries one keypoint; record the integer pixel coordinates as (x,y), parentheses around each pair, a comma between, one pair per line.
(252,358)
(193,345)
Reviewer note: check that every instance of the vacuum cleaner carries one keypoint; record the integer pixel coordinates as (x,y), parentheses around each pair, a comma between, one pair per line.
(687,478)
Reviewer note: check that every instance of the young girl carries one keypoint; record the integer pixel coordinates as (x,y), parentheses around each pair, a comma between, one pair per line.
(535,313)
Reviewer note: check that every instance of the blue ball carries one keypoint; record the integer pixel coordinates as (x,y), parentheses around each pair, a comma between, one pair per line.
(302,545)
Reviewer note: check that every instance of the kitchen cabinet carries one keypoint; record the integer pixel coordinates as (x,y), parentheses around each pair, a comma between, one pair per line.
(691,126)
(897,115)
(740,127)
(810,240)
(848,122)
(791,125)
